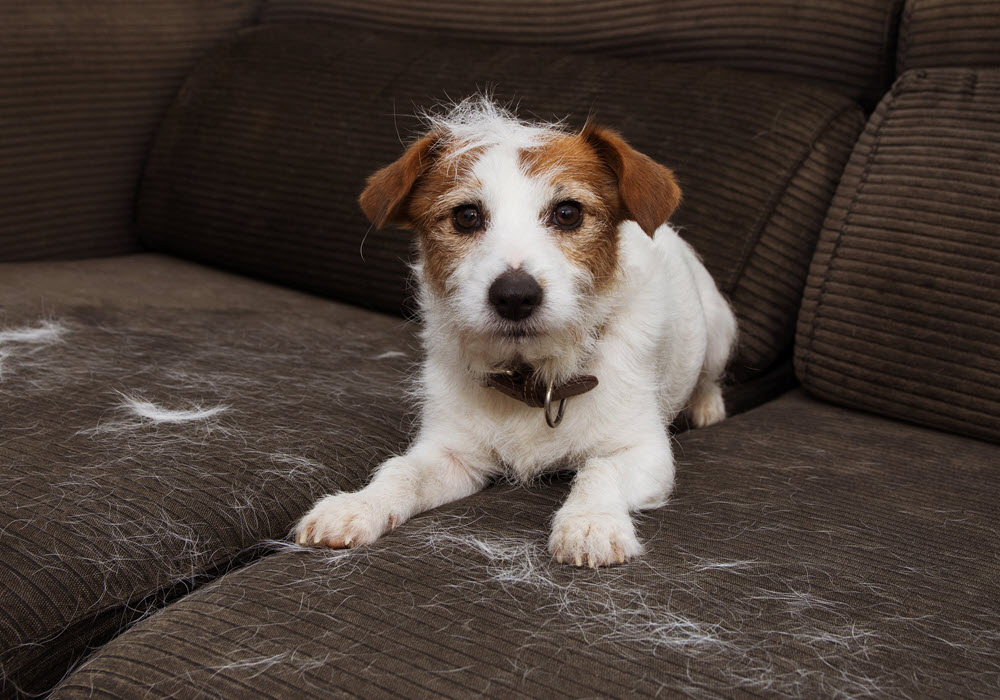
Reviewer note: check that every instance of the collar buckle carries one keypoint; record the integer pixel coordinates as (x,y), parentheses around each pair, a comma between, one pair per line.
(549,420)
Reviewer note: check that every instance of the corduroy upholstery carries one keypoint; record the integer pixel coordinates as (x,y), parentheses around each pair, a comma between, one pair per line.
(161,421)
(847,44)
(901,314)
(941,33)
(104,512)
(792,562)
(82,87)
(259,163)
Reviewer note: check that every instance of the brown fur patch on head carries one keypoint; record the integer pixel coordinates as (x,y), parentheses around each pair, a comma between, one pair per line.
(576,172)
(412,193)
(648,190)
(447,184)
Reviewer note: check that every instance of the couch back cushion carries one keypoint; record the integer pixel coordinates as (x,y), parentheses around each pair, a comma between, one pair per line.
(846,43)
(83,86)
(259,163)
(901,313)
(941,33)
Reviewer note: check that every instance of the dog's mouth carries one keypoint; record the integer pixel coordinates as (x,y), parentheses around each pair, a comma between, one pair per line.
(516,333)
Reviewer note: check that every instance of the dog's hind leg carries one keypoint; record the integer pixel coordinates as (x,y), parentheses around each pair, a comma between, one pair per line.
(706,405)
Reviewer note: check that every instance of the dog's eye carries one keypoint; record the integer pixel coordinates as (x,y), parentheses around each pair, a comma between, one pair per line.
(466,218)
(567,215)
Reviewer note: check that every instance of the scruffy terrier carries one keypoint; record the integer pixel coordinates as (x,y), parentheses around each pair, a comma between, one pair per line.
(565,325)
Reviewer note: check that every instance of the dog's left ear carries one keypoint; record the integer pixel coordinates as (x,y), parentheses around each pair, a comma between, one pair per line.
(385,197)
(648,190)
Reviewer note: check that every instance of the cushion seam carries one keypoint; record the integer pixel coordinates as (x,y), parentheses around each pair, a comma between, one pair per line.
(858,191)
(767,213)
(905,34)
(888,54)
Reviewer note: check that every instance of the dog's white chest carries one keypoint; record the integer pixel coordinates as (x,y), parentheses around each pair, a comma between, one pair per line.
(521,442)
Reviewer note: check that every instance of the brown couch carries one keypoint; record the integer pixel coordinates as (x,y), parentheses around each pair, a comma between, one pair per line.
(199,336)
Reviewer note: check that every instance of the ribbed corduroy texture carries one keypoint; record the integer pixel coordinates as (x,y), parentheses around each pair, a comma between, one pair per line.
(83,86)
(259,163)
(792,561)
(901,313)
(846,43)
(940,33)
(105,512)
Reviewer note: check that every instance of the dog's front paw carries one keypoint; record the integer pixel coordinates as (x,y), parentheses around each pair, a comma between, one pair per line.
(593,538)
(345,520)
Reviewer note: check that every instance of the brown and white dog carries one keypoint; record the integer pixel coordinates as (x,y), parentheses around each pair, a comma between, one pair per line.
(552,292)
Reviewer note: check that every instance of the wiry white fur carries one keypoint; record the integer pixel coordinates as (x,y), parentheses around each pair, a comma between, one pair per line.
(477,122)
(45,332)
(136,414)
(657,339)
(158,414)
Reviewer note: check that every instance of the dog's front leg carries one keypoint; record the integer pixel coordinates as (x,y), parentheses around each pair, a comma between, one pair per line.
(594,526)
(427,476)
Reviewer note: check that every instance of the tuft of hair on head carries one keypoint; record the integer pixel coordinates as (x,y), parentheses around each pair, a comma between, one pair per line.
(453,129)
(479,121)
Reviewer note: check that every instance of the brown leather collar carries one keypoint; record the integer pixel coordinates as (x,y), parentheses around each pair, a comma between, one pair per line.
(519,384)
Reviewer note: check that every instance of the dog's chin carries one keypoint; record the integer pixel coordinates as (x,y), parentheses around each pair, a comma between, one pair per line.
(524,336)
(519,344)
(516,335)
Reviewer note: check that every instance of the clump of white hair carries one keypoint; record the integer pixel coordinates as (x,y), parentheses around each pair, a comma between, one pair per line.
(480,122)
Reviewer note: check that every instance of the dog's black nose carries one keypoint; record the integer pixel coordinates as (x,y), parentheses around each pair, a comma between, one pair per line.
(515,294)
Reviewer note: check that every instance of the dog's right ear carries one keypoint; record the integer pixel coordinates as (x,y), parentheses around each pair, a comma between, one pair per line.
(385,197)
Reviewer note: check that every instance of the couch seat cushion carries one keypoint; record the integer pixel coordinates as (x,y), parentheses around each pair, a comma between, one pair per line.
(809,551)
(259,163)
(159,419)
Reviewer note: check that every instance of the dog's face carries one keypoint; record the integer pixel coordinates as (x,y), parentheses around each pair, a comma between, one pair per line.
(518,226)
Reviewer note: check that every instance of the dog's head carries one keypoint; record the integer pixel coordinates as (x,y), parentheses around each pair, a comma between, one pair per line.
(518,225)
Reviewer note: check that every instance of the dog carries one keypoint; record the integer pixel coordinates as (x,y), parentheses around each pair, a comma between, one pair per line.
(565,325)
